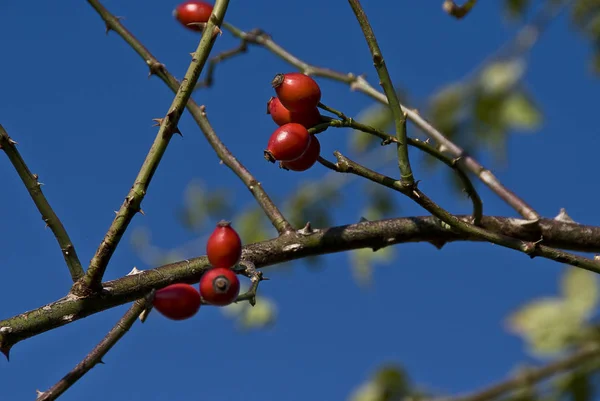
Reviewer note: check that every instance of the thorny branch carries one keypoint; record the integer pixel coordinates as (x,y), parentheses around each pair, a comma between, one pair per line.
(358,83)
(297,245)
(95,356)
(199,114)
(34,187)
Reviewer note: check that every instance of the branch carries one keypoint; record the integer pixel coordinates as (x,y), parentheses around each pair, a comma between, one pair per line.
(95,356)
(424,146)
(168,127)
(358,83)
(531,248)
(297,245)
(457,11)
(406,175)
(530,376)
(34,187)
(198,113)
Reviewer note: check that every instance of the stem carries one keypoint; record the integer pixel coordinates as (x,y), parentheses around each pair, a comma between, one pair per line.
(168,127)
(95,356)
(424,146)
(406,175)
(368,234)
(50,218)
(531,248)
(358,83)
(198,113)
(531,376)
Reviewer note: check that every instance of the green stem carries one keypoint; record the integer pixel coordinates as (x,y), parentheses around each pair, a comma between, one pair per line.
(199,114)
(406,175)
(168,127)
(50,218)
(95,356)
(531,248)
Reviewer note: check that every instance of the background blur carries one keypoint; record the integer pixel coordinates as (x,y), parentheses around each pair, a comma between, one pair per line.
(80,105)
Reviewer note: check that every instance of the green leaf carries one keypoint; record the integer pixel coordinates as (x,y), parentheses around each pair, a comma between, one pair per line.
(367,392)
(499,77)
(580,290)
(393,381)
(250,226)
(548,325)
(519,111)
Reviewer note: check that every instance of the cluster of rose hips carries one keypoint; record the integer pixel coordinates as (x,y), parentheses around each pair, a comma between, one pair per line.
(218,286)
(295,111)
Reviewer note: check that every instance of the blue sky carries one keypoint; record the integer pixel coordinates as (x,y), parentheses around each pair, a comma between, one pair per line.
(80,105)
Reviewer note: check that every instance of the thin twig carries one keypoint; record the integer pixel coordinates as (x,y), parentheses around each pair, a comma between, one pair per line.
(95,356)
(198,113)
(168,127)
(406,175)
(208,80)
(533,375)
(367,234)
(531,248)
(424,146)
(358,83)
(457,11)
(34,187)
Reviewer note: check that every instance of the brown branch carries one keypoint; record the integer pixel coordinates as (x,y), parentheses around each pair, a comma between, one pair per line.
(95,356)
(34,187)
(529,376)
(198,113)
(297,245)
(358,83)
(531,248)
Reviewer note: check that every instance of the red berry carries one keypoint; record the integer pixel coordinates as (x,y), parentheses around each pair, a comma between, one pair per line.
(281,115)
(288,142)
(191,12)
(297,91)
(177,301)
(308,159)
(219,286)
(224,246)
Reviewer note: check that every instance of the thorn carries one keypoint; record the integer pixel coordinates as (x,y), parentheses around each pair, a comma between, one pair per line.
(439,244)
(101,362)
(142,212)
(12,141)
(176,131)
(6,352)
(134,271)
(39,393)
(155,68)
(116,211)
(157,122)
(563,216)
(363,219)
(306,230)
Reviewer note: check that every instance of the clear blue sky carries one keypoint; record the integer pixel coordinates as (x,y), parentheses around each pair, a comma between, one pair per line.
(80,105)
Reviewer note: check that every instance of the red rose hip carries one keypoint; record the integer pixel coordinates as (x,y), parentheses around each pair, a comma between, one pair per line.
(281,116)
(224,246)
(287,143)
(307,160)
(297,91)
(191,12)
(219,286)
(177,301)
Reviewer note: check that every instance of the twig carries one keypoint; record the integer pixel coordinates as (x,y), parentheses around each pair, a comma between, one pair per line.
(457,11)
(424,146)
(50,218)
(168,127)
(198,113)
(591,351)
(406,175)
(95,356)
(358,83)
(531,248)
(225,55)
(304,243)
(255,276)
